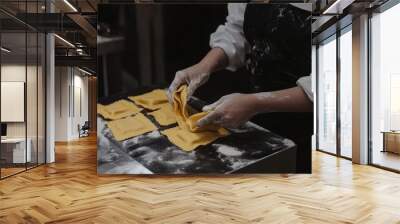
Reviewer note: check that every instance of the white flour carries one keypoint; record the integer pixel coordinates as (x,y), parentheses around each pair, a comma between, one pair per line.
(227,150)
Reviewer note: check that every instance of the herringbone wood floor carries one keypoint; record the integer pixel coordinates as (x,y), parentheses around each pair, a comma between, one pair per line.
(70,191)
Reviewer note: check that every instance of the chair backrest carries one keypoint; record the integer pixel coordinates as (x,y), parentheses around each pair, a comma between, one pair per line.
(86,125)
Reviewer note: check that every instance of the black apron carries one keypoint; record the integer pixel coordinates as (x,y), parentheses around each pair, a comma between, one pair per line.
(280,40)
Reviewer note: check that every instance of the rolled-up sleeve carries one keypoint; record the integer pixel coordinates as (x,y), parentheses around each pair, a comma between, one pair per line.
(230,37)
(305,84)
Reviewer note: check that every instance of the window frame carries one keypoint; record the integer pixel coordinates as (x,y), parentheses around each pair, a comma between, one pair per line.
(334,37)
(378,10)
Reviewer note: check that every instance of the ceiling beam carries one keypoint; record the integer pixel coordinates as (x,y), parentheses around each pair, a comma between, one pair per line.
(86,27)
(337,7)
(82,61)
(74,14)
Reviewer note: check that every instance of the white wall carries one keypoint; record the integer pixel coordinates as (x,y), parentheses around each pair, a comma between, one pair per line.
(12,101)
(61,103)
(12,73)
(79,103)
(71,93)
(33,126)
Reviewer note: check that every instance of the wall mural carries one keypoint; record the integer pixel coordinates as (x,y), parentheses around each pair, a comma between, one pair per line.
(204,89)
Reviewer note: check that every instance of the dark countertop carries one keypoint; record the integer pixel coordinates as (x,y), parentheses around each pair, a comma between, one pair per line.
(152,153)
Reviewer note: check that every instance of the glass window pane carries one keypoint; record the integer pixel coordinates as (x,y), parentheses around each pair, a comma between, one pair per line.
(31,97)
(23,86)
(32,87)
(327,96)
(313,78)
(385,87)
(13,86)
(346,94)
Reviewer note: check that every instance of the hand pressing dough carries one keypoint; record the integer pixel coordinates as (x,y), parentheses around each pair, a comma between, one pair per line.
(185,119)
(189,141)
(131,127)
(117,110)
(151,100)
(188,136)
(165,115)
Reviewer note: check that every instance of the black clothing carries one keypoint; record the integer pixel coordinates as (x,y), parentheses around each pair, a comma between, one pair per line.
(280,42)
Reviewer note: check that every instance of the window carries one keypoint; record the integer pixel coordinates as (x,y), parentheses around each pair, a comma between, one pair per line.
(334,106)
(385,89)
(22,77)
(346,93)
(327,96)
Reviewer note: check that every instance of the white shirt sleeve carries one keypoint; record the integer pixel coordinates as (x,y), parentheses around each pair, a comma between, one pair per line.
(305,83)
(230,37)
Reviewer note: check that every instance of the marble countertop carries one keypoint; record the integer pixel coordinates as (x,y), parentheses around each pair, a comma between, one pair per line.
(152,153)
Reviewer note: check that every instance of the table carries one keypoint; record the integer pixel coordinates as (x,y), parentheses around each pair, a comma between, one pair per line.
(391,141)
(13,150)
(251,149)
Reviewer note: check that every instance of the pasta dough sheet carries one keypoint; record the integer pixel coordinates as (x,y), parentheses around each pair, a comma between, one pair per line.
(165,115)
(117,110)
(130,127)
(151,100)
(185,119)
(189,141)
(100,109)
(188,136)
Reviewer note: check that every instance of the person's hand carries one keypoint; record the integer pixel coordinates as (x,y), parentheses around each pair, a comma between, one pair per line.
(193,76)
(230,111)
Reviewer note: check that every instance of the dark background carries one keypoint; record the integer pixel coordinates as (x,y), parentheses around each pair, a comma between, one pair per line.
(178,36)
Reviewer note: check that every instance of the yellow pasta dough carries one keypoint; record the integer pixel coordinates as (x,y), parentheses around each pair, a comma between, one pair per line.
(151,100)
(188,136)
(165,115)
(189,141)
(183,116)
(117,110)
(130,127)
(100,109)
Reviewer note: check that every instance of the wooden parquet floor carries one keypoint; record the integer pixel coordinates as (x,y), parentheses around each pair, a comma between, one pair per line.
(70,191)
